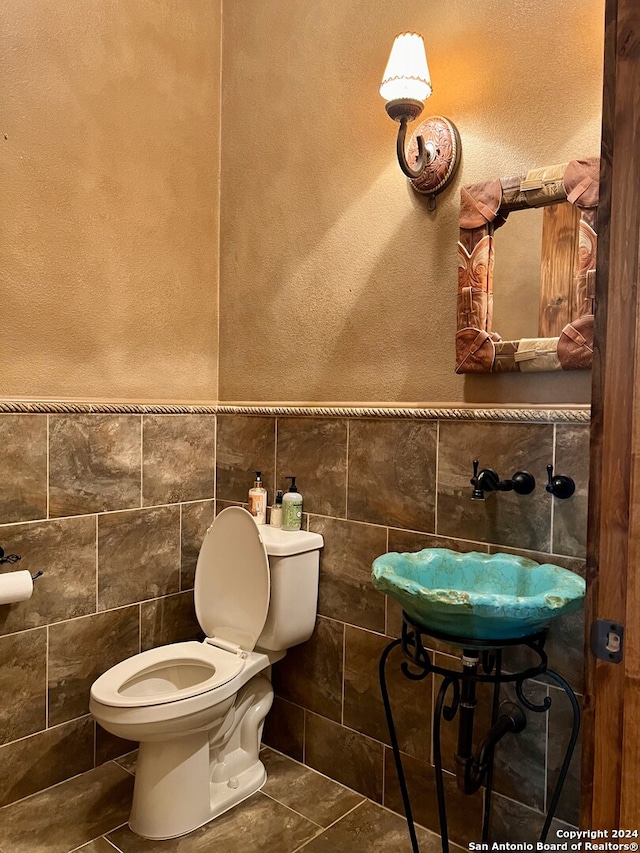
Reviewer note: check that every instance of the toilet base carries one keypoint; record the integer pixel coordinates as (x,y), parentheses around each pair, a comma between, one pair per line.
(177,822)
(184,783)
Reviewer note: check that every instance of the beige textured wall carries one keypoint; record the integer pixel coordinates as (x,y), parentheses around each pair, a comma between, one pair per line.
(109,168)
(336,283)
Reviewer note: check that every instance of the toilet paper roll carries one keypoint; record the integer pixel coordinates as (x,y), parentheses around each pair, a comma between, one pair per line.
(15,586)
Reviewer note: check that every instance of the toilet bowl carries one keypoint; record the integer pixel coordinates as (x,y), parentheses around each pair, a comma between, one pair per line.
(198,708)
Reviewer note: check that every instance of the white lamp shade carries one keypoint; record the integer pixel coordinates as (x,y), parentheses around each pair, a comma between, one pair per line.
(407,72)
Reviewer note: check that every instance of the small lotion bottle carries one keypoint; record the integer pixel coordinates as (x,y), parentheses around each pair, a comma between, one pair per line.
(258,500)
(292,507)
(276,511)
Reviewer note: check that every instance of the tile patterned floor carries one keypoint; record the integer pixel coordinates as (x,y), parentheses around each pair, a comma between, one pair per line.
(296,810)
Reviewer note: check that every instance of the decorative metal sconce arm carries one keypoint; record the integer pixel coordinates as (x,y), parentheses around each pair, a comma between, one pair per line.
(424,155)
(404,110)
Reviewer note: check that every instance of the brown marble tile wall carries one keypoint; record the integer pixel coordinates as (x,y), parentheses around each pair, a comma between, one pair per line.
(345,755)
(244,445)
(138,555)
(311,674)
(570,515)
(505,518)
(195,519)
(112,508)
(23,662)
(178,458)
(392,472)
(44,759)
(82,649)
(171,619)
(345,591)
(284,728)
(23,467)
(94,463)
(314,450)
(362,708)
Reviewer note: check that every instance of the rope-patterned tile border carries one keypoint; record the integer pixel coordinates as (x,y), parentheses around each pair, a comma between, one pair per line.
(539,415)
(46,407)
(548,415)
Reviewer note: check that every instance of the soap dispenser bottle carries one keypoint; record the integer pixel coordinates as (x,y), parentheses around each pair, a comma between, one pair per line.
(258,500)
(276,511)
(292,507)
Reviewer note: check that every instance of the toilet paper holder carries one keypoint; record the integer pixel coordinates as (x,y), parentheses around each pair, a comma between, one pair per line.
(13,558)
(10,558)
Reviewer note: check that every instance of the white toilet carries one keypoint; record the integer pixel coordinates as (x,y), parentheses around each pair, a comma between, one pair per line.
(198,708)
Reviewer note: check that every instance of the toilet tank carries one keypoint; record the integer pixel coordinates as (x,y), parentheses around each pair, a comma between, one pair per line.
(294,562)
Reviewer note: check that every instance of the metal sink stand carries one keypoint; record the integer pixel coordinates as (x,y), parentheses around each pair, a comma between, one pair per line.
(482,662)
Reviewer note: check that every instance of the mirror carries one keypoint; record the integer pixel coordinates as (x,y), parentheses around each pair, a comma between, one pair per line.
(516,275)
(567,196)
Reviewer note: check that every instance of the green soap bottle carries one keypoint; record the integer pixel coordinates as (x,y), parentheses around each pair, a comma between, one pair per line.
(292,507)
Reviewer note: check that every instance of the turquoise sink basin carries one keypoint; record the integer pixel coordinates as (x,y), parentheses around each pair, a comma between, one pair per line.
(478,596)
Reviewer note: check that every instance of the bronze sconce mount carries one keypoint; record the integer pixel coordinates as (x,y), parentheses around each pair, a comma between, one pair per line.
(434,149)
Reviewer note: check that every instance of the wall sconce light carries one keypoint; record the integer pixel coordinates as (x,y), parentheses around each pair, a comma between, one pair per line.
(435,147)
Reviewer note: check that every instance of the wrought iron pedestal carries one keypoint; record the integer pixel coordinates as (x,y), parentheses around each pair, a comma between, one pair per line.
(481,663)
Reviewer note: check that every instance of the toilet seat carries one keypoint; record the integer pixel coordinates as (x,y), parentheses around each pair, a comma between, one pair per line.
(233,581)
(231,594)
(167,674)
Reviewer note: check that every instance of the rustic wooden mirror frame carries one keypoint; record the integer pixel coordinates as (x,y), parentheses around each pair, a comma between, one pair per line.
(566,308)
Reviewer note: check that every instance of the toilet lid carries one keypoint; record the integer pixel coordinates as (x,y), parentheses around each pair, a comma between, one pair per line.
(233,583)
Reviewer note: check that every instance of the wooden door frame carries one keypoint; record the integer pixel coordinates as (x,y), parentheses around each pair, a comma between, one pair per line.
(611,743)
